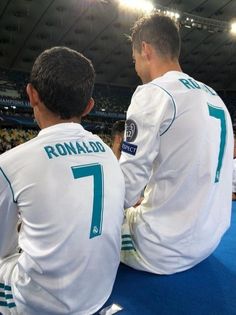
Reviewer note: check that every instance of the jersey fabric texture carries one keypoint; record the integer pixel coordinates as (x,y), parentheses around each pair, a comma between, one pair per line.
(68,189)
(179,144)
(234,176)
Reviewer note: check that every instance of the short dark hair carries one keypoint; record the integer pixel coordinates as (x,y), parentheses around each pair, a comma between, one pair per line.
(64,80)
(118,128)
(234,130)
(160,31)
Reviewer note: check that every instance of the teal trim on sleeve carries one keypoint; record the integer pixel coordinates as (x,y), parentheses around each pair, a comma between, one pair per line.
(11,305)
(126,235)
(173,102)
(9,184)
(6,296)
(128,248)
(7,287)
(127,242)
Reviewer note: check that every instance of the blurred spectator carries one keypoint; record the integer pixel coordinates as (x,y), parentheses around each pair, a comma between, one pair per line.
(106,138)
(117,135)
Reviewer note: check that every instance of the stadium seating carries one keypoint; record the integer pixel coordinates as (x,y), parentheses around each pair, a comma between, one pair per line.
(111,103)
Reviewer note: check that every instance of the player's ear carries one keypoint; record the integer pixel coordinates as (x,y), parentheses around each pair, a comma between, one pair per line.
(33,95)
(89,107)
(146,50)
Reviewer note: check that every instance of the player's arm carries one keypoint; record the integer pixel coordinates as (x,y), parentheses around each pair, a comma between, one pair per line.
(149,115)
(8,218)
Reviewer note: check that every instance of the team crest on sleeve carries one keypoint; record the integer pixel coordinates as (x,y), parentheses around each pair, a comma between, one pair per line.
(131,130)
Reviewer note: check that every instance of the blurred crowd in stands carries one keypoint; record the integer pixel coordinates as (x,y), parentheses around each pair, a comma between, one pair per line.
(9,138)
(111,102)
(112,98)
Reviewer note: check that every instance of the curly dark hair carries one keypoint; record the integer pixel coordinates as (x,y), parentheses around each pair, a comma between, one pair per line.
(64,80)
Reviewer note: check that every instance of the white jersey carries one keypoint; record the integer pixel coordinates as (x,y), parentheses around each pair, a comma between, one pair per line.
(68,188)
(179,144)
(234,176)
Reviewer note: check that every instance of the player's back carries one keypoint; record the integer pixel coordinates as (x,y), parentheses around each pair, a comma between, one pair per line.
(187,202)
(70,193)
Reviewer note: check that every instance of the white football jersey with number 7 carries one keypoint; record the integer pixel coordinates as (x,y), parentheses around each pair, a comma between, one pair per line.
(179,145)
(69,190)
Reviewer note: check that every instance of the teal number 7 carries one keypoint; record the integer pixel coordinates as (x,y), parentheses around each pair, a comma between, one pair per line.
(219,113)
(96,171)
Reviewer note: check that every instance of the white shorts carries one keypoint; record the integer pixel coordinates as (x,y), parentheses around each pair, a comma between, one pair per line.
(130,254)
(7,266)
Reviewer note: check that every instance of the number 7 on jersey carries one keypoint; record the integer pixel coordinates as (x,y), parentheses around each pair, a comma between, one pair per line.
(219,113)
(96,171)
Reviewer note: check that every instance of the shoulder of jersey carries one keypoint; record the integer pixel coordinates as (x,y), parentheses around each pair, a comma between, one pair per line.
(149,88)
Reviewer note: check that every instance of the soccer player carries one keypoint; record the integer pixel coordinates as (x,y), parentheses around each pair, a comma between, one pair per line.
(67,187)
(117,135)
(179,144)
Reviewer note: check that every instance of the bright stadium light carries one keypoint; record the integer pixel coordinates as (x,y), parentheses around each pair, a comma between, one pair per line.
(176,15)
(233,28)
(141,5)
(171,14)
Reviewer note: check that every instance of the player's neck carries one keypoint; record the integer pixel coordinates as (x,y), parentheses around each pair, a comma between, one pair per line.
(160,67)
(47,119)
(116,150)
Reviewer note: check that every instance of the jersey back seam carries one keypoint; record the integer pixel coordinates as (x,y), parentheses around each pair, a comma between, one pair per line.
(9,184)
(173,102)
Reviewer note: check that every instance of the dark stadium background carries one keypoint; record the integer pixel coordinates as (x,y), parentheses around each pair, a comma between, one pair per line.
(98,29)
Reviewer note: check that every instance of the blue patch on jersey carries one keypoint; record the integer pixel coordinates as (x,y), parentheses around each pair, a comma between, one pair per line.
(129,148)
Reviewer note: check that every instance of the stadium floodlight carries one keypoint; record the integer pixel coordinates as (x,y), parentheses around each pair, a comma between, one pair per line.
(176,15)
(233,28)
(141,5)
(172,14)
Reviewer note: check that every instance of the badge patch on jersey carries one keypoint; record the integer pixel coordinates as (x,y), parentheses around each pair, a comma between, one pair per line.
(129,148)
(131,130)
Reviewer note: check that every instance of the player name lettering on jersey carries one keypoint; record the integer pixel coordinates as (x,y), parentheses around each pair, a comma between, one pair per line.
(69,148)
(192,84)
